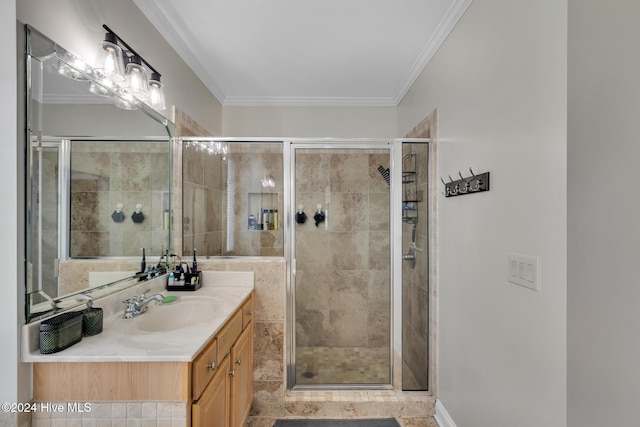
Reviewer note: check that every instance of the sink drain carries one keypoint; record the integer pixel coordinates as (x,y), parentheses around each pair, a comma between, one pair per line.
(308,374)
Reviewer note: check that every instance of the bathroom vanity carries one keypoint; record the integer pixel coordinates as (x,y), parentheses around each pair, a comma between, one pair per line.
(198,350)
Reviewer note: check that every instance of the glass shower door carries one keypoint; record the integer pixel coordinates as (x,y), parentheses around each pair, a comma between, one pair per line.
(47,210)
(341,279)
(415,267)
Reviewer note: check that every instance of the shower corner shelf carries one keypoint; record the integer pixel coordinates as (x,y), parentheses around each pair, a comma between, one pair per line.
(410,197)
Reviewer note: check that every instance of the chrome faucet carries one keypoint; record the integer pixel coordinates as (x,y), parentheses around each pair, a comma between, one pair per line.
(138,305)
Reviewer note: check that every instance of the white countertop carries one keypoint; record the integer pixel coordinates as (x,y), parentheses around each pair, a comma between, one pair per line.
(122,341)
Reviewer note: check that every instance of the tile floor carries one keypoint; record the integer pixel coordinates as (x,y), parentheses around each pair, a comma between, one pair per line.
(404,422)
(342,365)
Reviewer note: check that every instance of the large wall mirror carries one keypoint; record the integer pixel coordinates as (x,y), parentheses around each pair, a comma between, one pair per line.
(98,180)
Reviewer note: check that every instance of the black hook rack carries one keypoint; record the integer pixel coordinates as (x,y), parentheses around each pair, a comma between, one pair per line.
(469,185)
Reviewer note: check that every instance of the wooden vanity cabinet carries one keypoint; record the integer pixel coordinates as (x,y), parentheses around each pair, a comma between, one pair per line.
(217,385)
(242,377)
(212,409)
(227,396)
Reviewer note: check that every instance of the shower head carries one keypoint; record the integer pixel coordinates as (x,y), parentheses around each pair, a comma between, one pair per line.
(385,173)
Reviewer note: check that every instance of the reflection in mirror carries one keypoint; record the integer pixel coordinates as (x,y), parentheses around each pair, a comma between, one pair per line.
(86,158)
(119,198)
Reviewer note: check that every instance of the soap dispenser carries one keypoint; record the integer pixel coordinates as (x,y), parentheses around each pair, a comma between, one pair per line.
(319,217)
(92,317)
(301,217)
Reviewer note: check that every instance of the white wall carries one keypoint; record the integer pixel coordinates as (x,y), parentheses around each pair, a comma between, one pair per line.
(76,25)
(603,206)
(345,122)
(10,311)
(499,84)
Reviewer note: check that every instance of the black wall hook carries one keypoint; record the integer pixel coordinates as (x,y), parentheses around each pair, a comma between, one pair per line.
(472,184)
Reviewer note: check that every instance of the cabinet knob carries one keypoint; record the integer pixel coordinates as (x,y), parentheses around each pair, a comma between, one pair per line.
(213,365)
(238,361)
(232,373)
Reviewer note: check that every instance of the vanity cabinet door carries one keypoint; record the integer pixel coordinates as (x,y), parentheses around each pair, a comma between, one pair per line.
(242,377)
(204,368)
(247,312)
(212,409)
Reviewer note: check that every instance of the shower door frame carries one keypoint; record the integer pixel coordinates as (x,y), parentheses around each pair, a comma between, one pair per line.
(62,146)
(394,146)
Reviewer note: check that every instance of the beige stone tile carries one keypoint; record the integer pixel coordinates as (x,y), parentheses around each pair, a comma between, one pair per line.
(268,399)
(378,211)
(349,211)
(269,351)
(418,422)
(312,172)
(313,409)
(261,421)
(349,250)
(349,173)
(379,249)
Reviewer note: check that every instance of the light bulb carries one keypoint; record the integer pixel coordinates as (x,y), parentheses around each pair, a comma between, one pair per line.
(110,61)
(156,93)
(137,83)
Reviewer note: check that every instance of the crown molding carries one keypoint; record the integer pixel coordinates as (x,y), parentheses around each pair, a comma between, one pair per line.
(283,101)
(450,20)
(174,37)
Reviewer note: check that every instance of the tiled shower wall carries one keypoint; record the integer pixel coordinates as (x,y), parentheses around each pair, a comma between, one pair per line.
(221,191)
(203,193)
(107,173)
(342,265)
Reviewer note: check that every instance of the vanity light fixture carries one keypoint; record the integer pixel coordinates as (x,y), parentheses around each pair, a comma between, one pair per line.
(110,59)
(133,80)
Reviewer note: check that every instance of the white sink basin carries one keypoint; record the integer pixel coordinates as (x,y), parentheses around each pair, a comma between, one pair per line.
(180,314)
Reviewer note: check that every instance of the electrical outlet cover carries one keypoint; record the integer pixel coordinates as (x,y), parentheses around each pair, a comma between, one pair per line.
(524,271)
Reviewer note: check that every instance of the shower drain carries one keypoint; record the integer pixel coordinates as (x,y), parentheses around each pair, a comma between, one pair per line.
(308,374)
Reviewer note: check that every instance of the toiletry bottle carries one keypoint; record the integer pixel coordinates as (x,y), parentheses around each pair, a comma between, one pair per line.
(143,263)
(270,219)
(170,279)
(265,219)
(194,265)
(252,222)
(275,219)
